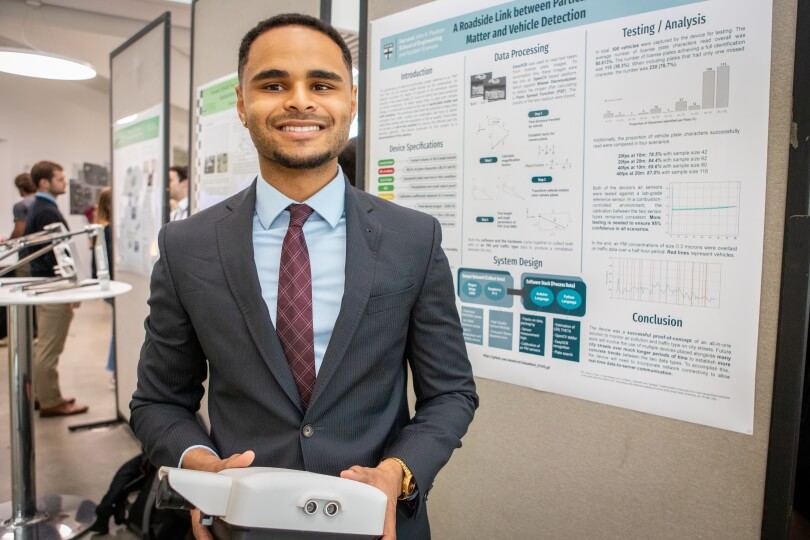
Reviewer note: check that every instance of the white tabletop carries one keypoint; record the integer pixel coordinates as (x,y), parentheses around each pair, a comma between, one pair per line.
(80,294)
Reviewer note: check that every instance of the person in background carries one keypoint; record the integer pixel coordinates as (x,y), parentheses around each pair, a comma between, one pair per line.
(347,160)
(178,191)
(90,213)
(53,320)
(306,300)
(27,190)
(104,217)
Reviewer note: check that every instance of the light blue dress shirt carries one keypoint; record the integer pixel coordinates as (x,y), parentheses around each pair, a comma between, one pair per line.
(46,196)
(325,234)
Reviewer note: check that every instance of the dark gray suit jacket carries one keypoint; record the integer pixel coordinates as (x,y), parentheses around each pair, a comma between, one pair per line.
(398,309)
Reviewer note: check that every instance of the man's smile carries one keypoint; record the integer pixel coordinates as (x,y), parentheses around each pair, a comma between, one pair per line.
(300,128)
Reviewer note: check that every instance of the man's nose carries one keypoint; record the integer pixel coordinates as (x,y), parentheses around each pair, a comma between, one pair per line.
(300,99)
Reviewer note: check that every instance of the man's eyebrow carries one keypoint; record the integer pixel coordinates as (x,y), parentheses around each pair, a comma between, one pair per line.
(282,74)
(270,74)
(324,74)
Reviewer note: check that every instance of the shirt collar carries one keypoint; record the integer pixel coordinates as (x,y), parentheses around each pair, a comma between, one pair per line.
(328,203)
(183,203)
(46,196)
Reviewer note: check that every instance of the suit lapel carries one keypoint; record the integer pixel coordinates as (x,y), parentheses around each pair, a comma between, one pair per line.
(362,238)
(235,244)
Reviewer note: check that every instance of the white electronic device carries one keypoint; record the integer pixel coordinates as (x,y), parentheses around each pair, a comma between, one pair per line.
(259,503)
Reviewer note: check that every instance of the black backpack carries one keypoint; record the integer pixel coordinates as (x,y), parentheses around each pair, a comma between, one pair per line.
(141,516)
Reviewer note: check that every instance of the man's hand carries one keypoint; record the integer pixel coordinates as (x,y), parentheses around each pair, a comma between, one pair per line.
(200,459)
(387,477)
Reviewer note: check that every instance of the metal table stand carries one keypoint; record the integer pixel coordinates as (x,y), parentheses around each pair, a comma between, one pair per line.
(26,517)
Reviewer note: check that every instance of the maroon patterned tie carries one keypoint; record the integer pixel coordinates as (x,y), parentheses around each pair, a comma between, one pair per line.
(294,308)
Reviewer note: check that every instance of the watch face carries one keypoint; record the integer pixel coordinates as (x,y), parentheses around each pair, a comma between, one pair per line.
(408,484)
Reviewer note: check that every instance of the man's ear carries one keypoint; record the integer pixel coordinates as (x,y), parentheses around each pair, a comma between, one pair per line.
(354,102)
(240,104)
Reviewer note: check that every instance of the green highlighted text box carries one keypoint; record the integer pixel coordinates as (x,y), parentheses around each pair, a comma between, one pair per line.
(220,97)
(142,131)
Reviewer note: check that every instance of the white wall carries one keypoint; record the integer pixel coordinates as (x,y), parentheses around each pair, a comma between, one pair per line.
(62,121)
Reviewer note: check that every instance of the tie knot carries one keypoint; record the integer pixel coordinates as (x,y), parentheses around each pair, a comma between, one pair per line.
(299,213)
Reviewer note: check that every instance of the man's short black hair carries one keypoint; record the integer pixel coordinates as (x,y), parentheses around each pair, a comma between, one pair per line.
(292,19)
(182,172)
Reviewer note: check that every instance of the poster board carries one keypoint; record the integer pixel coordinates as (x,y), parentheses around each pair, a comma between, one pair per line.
(226,160)
(537,461)
(139,114)
(138,211)
(606,239)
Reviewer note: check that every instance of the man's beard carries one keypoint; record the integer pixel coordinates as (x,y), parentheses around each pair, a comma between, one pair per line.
(300,163)
(268,150)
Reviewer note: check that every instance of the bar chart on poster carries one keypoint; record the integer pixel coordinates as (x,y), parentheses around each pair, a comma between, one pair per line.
(598,169)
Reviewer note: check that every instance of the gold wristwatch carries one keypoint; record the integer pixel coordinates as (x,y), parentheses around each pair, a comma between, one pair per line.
(408,483)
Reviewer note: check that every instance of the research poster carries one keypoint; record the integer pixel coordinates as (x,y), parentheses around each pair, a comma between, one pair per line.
(598,168)
(138,203)
(226,158)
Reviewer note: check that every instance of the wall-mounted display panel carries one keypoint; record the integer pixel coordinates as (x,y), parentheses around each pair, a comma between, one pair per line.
(599,172)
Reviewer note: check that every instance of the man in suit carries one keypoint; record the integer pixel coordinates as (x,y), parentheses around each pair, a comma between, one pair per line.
(178,191)
(53,320)
(309,299)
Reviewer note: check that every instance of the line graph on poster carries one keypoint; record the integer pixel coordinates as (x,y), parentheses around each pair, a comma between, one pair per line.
(683,283)
(705,209)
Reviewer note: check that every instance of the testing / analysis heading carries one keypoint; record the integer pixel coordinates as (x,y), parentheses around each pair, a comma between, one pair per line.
(667,24)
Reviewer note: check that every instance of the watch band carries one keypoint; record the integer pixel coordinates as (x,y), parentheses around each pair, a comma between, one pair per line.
(408,483)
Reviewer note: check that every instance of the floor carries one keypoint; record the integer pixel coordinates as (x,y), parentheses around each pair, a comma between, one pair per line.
(82,462)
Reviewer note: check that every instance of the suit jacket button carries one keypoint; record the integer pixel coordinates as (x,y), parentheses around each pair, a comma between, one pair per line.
(307,431)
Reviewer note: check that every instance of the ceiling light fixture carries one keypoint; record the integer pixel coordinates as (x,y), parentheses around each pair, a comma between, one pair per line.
(126,120)
(44,65)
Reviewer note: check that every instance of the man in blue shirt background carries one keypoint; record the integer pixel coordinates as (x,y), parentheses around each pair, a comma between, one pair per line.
(53,320)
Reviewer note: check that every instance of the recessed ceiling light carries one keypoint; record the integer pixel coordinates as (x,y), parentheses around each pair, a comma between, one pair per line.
(126,120)
(44,65)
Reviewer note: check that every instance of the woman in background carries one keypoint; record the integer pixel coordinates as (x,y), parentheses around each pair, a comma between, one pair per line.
(104,217)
